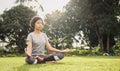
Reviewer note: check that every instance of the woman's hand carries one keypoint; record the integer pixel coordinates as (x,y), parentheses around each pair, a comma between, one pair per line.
(39,58)
(66,50)
(27,53)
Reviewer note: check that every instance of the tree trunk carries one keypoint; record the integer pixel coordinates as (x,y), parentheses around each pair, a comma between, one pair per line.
(100,39)
(108,42)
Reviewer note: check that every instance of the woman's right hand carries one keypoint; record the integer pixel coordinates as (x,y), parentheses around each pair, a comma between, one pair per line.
(27,53)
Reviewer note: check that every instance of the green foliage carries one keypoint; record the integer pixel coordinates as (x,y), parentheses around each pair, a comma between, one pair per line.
(116,48)
(15,26)
(56,29)
(82,52)
(74,52)
(96,51)
(1,51)
(1,48)
(94,18)
(30,1)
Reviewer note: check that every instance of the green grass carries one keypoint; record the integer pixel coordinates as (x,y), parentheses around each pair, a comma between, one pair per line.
(67,64)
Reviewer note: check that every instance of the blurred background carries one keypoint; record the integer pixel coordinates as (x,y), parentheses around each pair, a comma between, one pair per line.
(87,27)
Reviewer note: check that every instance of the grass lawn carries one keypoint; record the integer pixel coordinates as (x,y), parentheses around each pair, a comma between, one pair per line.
(89,63)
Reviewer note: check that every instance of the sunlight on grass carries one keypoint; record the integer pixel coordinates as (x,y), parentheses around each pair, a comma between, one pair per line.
(67,64)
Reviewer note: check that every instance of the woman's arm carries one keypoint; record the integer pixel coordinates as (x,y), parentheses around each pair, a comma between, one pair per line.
(29,48)
(49,47)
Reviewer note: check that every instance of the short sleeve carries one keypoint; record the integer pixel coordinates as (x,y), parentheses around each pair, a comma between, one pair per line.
(29,38)
(46,38)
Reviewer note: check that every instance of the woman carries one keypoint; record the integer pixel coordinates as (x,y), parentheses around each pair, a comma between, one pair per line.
(37,42)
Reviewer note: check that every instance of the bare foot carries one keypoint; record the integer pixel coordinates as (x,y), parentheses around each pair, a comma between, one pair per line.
(39,58)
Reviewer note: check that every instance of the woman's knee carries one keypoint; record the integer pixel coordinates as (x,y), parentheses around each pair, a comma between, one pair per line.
(31,60)
(59,56)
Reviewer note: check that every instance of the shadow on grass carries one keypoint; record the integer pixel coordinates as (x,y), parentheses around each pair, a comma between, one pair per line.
(27,67)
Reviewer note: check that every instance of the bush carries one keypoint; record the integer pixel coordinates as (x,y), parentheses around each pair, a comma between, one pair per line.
(78,52)
(75,52)
(96,51)
(1,51)
(83,52)
(116,48)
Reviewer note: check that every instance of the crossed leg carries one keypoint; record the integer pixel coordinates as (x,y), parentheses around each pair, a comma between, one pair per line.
(44,59)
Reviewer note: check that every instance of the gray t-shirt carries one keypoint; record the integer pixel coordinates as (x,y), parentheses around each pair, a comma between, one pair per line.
(38,43)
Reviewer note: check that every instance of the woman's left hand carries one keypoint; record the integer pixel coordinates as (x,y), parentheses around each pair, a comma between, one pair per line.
(66,50)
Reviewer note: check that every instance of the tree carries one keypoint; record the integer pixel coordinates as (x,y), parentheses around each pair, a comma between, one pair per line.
(95,16)
(55,29)
(28,1)
(15,26)
(104,17)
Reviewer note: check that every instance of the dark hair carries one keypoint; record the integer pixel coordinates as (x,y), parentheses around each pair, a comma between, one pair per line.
(33,20)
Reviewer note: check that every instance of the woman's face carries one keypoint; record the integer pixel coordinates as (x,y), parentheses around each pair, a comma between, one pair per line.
(39,25)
